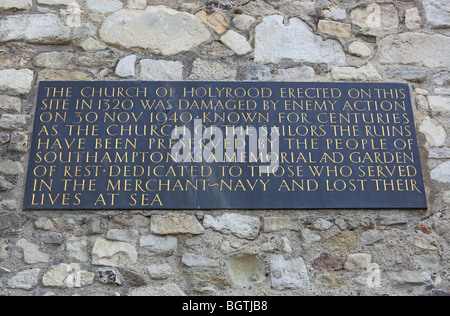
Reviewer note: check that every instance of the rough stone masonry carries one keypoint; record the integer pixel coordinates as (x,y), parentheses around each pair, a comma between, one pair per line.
(375,252)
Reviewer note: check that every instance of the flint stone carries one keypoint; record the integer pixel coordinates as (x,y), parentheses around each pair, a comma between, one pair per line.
(415,49)
(114,254)
(173,225)
(25,280)
(16,82)
(288,274)
(34,29)
(239,225)
(275,41)
(157,29)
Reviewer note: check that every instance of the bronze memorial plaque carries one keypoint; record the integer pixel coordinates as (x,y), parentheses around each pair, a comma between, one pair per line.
(223,145)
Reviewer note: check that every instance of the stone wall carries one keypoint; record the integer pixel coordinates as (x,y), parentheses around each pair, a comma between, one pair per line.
(222,253)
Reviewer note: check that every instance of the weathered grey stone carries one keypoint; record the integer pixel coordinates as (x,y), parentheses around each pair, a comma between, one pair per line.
(161,70)
(410,278)
(25,280)
(365,73)
(192,261)
(321,225)
(67,276)
(446,197)
(55,60)
(421,243)
(441,173)
(246,270)
(275,41)
(169,289)
(275,224)
(34,28)
(236,42)
(11,223)
(5,185)
(288,274)
(91,44)
(437,13)
(342,241)
(77,249)
(240,225)
(125,235)
(10,168)
(206,70)
(97,59)
(335,28)
(16,82)
(31,252)
(415,49)
(19,142)
(309,238)
(114,254)
(104,6)
(358,261)
(243,22)
(428,261)
(334,13)
(439,105)
(414,74)
(174,224)
(13,122)
(327,262)
(412,19)
(159,272)
(157,29)
(295,74)
(439,153)
(127,67)
(10,104)
(330,282)
(360,49)
(15,4)
(434,132)
(164,246)
(64,75)
(376,19)
(215,20)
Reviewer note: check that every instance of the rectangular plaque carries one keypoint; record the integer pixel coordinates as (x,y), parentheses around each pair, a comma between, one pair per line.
(223,145)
